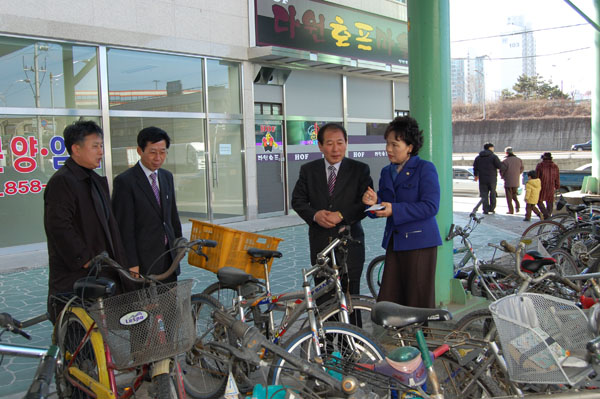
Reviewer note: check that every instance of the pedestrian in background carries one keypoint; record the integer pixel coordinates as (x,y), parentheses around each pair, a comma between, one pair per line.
(532,195)
(548,173)
(409,190)
(486,167)
(512,176)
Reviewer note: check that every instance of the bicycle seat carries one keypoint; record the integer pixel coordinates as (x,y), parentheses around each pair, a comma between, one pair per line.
(232,277)
(389,314)
(533,261)
(263,253)
(92,287)
(575,208)
(590,200)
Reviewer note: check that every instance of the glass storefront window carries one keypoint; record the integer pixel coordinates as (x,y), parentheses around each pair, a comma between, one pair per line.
(223,87)
(146,81)
(185,159)
(38,74)
(32,149)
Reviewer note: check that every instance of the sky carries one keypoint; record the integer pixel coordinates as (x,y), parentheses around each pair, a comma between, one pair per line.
(564,55)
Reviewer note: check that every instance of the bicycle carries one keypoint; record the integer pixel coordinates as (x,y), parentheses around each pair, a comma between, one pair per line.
(205,377)
(107,342)
(245,294)
(40,387)
(317,381)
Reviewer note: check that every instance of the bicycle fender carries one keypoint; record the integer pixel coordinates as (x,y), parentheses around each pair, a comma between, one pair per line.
(161,367)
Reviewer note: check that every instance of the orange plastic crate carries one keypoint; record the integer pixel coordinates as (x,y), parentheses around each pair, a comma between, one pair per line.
(231,249)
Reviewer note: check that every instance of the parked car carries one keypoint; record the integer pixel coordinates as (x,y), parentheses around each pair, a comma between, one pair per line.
(463,182)
(587,146)
(585,167)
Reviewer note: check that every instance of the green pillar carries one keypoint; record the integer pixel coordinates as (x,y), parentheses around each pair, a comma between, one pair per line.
(431,106)
(596,99)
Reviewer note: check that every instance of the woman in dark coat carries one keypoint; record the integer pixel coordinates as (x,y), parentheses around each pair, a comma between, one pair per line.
(547,171)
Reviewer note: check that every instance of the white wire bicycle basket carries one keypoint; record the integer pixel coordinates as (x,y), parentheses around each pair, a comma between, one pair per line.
(543,338)
(147,325)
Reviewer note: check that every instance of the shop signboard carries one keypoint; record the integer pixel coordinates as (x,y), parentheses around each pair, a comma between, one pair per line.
(321,27)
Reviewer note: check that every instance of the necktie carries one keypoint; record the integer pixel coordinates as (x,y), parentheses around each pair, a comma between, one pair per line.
(156,194)
(331,179)
(155,187)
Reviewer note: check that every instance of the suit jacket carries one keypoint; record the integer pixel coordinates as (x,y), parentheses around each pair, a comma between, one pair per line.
(143,223)
(311,194)
(79,225)
(415,198)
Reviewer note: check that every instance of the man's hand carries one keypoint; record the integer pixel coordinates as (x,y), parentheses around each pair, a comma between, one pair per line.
(134,271)
(476,178)
(327,219)
(369,197)
(87,264)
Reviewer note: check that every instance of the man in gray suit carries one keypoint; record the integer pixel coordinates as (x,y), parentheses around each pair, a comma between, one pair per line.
(144,204)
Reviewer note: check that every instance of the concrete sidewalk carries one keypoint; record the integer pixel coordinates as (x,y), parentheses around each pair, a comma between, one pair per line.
(24,274)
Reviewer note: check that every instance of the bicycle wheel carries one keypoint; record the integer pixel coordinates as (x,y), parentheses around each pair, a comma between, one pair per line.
(360,307)
(374,274)
(546,232)
(459,382)
(224,295)
(349,341)
(581,244)
(91,359)
(499,280)
(565,263)
(479,324)
(205,374)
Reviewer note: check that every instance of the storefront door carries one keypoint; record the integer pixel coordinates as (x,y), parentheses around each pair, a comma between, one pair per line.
(270,167)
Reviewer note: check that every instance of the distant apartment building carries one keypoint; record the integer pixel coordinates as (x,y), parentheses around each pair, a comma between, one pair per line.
(457,79)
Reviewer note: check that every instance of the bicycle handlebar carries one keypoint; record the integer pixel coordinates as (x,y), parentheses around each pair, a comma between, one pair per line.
(13,325)
(40,387)
(182,245)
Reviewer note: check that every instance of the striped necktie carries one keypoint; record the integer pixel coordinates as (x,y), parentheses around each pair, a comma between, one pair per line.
(155,187)
(331,179)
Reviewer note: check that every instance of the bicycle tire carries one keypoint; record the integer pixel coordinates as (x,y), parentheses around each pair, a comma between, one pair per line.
(500,280)
(547,231)
(581,244)
(566,265)
(375,274)
(337,338)
(166,386)
(479,324)
(363,307)
(224,295)
(68,336)
(453,377)
(204,377)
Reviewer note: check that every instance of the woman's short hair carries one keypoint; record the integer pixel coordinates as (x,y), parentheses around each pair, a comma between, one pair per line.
(406,129)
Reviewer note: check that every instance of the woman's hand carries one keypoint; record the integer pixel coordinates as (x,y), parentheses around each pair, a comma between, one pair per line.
(384,212)
(369,197)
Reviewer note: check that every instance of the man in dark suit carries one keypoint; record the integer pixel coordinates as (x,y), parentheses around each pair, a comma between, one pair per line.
(328,193)
(78,219)
(144,204)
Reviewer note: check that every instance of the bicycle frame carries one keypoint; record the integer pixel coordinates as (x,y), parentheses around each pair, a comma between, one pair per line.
(299,308)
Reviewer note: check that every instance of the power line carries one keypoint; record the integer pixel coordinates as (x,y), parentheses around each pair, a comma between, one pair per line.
(516,33)
(527,56)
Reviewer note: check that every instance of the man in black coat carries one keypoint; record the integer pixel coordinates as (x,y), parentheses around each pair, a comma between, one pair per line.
(486,167)
(78,219)
(144,204)
(325,206)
